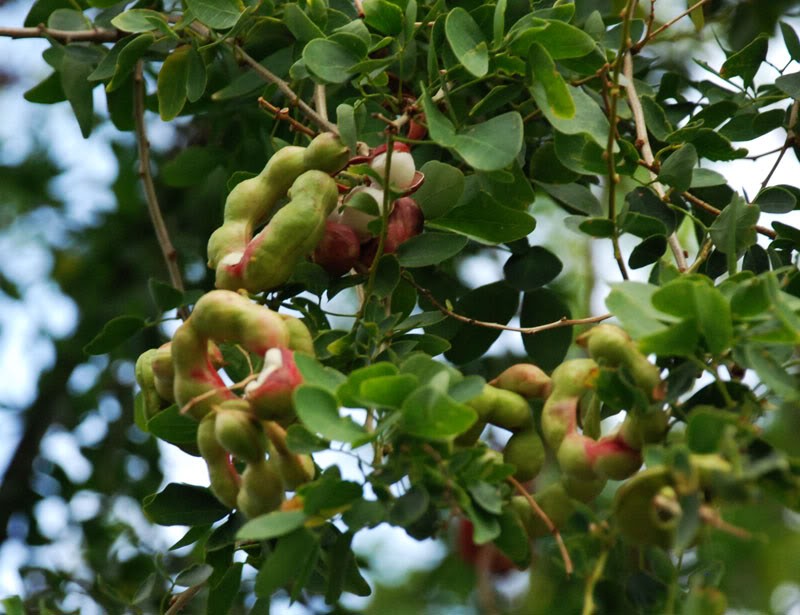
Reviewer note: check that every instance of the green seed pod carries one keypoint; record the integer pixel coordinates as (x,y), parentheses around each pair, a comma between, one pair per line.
(221,473)
(638,518)
(525,450)
(327,153)
(502,408)
(153,402)
(525,379)
(583,490)
(610,345)
(571,381)
(300,339)
(164,372)
(261,490)
(240,433)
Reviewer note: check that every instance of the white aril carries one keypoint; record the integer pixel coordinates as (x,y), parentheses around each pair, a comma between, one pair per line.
(401,173)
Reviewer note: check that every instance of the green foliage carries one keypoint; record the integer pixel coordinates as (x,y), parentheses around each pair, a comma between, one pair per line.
(520,120)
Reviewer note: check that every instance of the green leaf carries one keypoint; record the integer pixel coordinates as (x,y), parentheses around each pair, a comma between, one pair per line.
(561,40)
(790,84)
(632,304)
(734,230)
(791,41)
(301,441)
(181,504)
(776,200)
(383,16)
(196,76)
(558,96)
(346,121)
(467,41)
(78,90)
(648,251)
(272,525)
(68,19)
(499,22)
(133,50)
(287,562)
(441,190)
(172,80)
(329,60)
(410,507)
(546,349)
(194,575)
(318,409)
(140,20)
(532,269)
(173,427)
(388,391)
(222,595)
(114,332)
(216,14)
(746,62)
(317,374)
(677,169)
(575,198)
(588,118)
(329,494)
(676,340)
(485,220)
(301,25)
(430,249)
(164,295)
(491,145)
(430,414)
(13,605)
(349,391)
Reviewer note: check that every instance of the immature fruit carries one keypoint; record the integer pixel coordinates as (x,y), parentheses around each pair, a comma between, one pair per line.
(339,250)
(261,490)
(526,379)
(240,433)
(525,450)
(221,473)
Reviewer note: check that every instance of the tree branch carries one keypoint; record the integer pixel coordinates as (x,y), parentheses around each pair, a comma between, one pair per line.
(181,600)
(651,35)
(790,139)
(713,210)
(96,35)
(563,322)
(643,142)
(153,208)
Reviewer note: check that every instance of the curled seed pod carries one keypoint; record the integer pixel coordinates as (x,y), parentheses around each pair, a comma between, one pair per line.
(582,490)
(269,259)
(270,395)
(525,450)
(223,316)
(639,518)
(239,432)
(164,372)
(610,345)
(221,473)
(571,381)
(339,250)
(525,379)
(587,459)
(261,490)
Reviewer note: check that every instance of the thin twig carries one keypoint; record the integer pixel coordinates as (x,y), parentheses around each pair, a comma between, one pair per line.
(320,100)
(182,599)
(713,210)
(153,208)
(557,324)
(589,607)
(643,142)
(211,392)
(790,139)
(546,520)
(294,99)
(283,114)
(638,46)
(712,518)
(96,35)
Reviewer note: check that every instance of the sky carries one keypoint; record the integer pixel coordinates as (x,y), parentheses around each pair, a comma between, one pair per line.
(26,328)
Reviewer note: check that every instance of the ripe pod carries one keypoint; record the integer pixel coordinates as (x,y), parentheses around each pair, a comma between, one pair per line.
(270,395)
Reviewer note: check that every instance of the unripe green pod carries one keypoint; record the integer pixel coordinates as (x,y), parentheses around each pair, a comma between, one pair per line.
(583,490)
(261,491)
(293,232)
(240,433)
(164,372)
(636,514)
(610,345)
(572,457)
(327,153)
(525,450)
(571,381)
(300,339)
(555,503)
(221,473)
(504,409)
(152,401)
(525,379)
(295,470)
(640,429)
(612,458)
